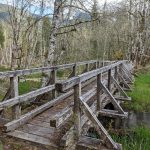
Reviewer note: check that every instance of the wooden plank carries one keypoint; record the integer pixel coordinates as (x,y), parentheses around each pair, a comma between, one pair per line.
(85,97)
(126,89)
(61,117)
(119,87)
(113,114)
(124,81)
(14,92)
(114,102)
(128,71)
(26,97)
(73,73)
(25,118)
(127,76)
(123,98)
(98,93)
(93,73)
(68,138)
(40,123)
(53,81)
(99,127)
(87,67)
(109,79)
(40,70)
(32,138)
(37,130)
(76,110)
(64,85)
(88,143)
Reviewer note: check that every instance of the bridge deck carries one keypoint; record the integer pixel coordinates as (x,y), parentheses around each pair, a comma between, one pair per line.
(38,129)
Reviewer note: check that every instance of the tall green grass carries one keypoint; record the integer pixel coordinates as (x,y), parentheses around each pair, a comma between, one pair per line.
(1,146)
(140,94)
(137,139)
(27,86)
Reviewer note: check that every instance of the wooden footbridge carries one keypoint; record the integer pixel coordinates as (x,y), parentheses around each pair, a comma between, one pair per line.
(73,107)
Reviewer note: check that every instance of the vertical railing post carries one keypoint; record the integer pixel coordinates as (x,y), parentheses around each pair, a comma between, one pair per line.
(53,75)
(87,67)
(98,64)
(14,92)
(74,72)
(99,78)
(109,79)
(116,73)
(77,111)
(120,72)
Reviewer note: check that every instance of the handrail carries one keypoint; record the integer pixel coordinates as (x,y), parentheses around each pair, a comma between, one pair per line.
(44,69)
(26,97)
(64,85)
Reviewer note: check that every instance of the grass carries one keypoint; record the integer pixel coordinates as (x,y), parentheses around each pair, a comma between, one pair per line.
(140,94)
(37,75)
(1,146)
(27,86)
(2,68)
(135,139)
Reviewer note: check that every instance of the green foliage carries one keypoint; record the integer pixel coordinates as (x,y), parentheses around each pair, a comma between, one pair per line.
(2,38)
(140,94)
(27,86)
(137,139)
(1,146)
(60,73)
(37,75)
(2,68)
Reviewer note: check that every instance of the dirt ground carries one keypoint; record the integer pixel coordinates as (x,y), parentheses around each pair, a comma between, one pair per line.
(7,143)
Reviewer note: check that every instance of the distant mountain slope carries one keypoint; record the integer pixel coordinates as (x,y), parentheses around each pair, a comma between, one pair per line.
(4,15)
(3,7)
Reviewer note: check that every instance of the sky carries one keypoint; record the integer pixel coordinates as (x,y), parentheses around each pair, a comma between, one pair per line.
(100,1)
(49,9)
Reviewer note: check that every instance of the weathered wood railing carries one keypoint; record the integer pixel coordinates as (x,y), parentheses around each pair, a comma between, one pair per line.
(16,99)
(104,72)
(111,73)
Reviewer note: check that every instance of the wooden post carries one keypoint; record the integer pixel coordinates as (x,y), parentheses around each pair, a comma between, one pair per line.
(53,73)
(77,111)
(99,89)
(98,64)
(87,67)
(116,73)
(16,109)
(119,72)
(74,72)
(109,79)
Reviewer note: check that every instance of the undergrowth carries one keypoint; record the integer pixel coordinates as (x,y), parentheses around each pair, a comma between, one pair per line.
(134,139)
(140,94)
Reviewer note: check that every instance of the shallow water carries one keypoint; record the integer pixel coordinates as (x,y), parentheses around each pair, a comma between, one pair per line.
(137,118)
